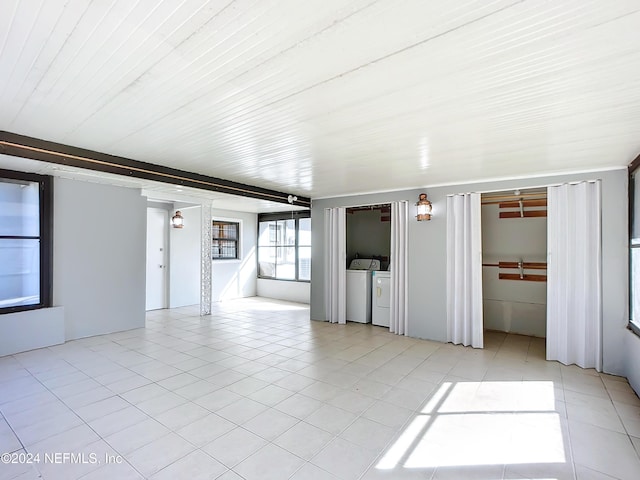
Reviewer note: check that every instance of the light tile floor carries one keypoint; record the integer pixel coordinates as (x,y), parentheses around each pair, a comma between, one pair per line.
(256,391)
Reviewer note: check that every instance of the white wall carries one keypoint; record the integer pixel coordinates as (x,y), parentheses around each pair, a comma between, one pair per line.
(99,257)
(230,278)
(99,242)
(632,359)
(184,259)
(284,290)
(367,235)
(513,305)
(31,329)
(427,258)
(236,278)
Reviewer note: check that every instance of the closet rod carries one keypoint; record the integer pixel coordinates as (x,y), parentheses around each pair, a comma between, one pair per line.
(522,196)
(526,265)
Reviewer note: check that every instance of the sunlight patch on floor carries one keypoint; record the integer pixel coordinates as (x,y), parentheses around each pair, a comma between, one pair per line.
(482,423)
(489,439)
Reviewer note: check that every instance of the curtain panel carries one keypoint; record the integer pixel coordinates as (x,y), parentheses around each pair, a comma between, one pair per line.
(335,265)
(464,270)
(398,322)
(574,274)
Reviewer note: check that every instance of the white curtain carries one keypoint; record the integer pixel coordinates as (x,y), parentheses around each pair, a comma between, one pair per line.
(399,229)
(464,270)
(574,275)
(336,265)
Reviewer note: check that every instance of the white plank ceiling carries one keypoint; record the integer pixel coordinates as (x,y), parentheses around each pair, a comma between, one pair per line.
(330,97)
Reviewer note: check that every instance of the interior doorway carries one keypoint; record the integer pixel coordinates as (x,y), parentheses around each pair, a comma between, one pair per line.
(514,262)
(157,231)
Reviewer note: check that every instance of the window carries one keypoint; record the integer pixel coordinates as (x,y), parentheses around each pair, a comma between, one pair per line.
(634,247)
(25,241)
(284,246)
(304,249)
(224,244)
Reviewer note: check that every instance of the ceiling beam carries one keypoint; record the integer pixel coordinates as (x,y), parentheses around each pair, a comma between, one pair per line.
(36,149)
(635,164)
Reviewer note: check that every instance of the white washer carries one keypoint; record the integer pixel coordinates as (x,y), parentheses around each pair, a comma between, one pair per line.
(358,291)
(381,298)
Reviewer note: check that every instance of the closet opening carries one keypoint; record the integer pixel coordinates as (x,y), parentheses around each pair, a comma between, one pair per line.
(514,266)
(368,252)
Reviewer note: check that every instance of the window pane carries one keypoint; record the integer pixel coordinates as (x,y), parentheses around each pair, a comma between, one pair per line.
(19,272)
(267,233)
(225,230)
(224,249)
(19,208)
(304,235)
(304,263)
(634,253)
(635,213)
(286,263)
(278,256)
(287,232)
(635,285)
(267,261)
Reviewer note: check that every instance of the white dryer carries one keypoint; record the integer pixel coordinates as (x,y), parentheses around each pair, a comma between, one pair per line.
(358,290)
(381,298)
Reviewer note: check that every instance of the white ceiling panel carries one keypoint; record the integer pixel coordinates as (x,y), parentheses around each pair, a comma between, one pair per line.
(332,97)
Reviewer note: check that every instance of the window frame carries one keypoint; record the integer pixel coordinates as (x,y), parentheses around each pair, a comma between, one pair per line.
(237,240)
(45,184)
(282,216)
(634,176)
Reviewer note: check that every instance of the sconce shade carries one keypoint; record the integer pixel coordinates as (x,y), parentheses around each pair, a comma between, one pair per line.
(424,208)
(177,220)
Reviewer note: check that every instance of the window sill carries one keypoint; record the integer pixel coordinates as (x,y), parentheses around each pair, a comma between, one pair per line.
(22,308)
(283,279)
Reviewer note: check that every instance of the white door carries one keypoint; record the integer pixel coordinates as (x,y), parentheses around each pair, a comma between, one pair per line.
(157,225)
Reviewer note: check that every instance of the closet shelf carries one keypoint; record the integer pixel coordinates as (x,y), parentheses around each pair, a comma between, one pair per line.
(526,277)
(525,213)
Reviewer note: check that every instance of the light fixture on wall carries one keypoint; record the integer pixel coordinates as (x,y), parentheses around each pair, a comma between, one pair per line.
(292,198)
(424,208)
(177,220)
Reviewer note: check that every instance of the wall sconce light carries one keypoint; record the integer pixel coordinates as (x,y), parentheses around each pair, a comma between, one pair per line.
(424,208)
(177,221)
